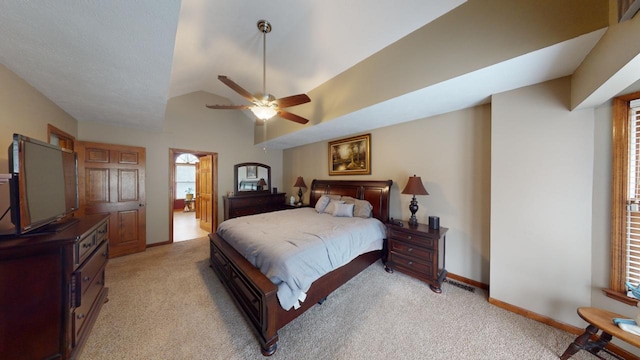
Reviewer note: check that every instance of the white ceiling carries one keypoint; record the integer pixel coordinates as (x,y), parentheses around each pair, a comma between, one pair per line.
(120,61)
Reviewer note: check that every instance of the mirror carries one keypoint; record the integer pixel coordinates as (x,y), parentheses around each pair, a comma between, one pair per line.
(251,178)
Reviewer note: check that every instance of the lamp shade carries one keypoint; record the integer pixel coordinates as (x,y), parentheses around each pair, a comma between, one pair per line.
(415,187)
(300,183)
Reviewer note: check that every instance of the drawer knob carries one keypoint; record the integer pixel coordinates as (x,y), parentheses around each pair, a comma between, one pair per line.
(410,263)
(410,250)
(81,316)
(86,245)
(86,278)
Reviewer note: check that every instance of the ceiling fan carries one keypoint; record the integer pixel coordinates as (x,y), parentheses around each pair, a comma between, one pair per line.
(265,106)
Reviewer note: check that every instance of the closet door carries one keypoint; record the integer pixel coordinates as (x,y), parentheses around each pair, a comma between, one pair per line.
(111,180)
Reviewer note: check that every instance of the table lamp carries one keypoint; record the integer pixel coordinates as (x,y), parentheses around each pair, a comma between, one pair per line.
(261,184)
(414,187)
(300,184)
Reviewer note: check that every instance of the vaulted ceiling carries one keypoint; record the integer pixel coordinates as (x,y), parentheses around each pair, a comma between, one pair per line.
(120,61)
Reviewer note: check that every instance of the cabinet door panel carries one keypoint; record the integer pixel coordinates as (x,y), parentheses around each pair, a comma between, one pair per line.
(30,303)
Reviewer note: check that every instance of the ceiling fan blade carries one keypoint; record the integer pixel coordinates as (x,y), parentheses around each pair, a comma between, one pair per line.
(293,117)
(292,100)
(231,107)
(237,88)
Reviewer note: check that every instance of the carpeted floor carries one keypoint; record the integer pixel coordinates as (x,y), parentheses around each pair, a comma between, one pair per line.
(166,303)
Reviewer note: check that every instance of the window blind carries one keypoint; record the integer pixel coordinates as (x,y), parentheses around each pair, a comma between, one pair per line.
(633,199)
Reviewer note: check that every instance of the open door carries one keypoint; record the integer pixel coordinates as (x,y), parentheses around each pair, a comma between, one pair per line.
(204,192)
(206,204)
(111,181)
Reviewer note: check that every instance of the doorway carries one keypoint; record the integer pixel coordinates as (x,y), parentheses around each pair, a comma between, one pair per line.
(193,190)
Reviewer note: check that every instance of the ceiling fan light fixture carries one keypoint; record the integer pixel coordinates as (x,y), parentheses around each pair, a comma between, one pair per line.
(265,106)
(263,112)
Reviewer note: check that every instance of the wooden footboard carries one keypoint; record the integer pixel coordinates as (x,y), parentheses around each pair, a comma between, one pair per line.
(256,296)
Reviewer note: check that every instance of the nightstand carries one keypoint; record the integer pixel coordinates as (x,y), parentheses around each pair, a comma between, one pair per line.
(418,252)
(296,205)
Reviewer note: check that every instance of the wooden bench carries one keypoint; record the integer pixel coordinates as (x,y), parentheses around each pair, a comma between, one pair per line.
(599,319)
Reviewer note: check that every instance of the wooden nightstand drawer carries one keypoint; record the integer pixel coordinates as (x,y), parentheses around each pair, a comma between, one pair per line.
(404,263)
(408,249)
(413,238)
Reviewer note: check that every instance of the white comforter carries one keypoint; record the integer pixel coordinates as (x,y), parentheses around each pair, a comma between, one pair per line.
(293,248)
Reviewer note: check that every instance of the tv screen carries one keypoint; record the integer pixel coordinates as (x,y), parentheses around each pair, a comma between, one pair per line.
(44,186)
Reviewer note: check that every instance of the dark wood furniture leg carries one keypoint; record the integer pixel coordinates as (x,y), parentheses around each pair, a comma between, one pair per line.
(594,347)
(579,343)
(600,320)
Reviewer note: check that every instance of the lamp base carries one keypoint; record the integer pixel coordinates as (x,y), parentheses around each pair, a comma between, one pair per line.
(300,196)
(413,207)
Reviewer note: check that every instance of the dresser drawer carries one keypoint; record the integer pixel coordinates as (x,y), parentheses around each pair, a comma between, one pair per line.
(410,237)
(418,269)
(88,271)
(102,232)
(83,312)
(84,247)
(407,248)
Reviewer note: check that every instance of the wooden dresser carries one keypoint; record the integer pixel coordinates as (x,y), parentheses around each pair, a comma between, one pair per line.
(417,251)
(242,205)
(52,287)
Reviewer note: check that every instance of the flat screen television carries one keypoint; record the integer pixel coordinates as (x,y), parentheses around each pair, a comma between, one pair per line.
(43,185)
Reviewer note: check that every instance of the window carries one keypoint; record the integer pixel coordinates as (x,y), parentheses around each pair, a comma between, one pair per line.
(625,198)
(60,138)
(185,175)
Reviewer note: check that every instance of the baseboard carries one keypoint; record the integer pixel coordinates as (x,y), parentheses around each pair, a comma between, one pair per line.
(465,280)
(559,325)
(159,243)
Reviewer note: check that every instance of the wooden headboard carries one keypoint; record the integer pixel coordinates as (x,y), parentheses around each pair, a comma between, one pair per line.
(374,191)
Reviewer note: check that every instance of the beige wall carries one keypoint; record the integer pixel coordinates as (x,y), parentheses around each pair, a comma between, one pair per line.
(611,66)
(24,110)
(188,125)
(541,200)
(451,154)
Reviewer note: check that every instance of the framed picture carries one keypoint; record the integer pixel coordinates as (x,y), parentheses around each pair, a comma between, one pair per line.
(252,172)
(351,156)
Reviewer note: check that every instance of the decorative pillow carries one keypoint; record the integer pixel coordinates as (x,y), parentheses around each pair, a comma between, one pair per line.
(361,209)
(332,206)
(343,210)
(322,203)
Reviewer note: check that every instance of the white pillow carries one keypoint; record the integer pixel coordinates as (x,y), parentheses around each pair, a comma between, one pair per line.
(332,206)
(322,203)
(361,209)
(343,210)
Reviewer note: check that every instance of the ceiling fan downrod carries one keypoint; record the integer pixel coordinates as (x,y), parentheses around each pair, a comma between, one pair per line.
(265,27)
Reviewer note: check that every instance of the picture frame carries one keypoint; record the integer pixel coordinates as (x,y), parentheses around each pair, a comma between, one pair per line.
(252,172)
(350,156)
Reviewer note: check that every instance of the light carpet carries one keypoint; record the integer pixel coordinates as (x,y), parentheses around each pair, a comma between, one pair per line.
(166,303)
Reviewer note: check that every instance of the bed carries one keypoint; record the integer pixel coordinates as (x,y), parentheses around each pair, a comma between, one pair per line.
(256,295)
